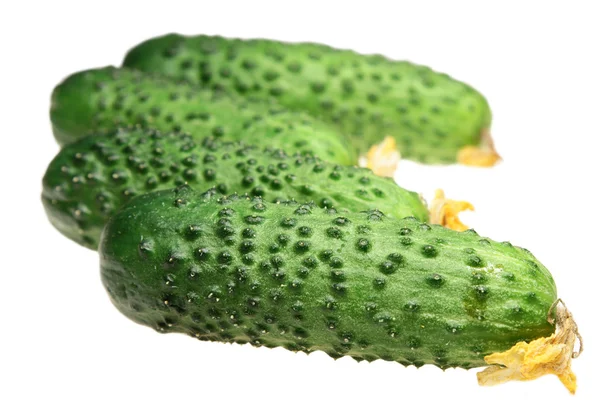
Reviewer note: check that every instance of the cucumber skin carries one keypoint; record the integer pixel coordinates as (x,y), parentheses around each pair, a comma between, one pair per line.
(431,115)
(414,293)
(98,100)
(91,178)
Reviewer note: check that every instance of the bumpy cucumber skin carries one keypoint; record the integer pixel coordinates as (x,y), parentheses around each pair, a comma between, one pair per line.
(431,115)
(91,178)
(98,100)
(357,284)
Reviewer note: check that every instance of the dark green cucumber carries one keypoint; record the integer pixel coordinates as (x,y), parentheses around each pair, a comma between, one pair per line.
(98,100)
(359,284)
(91,178)
(431,115)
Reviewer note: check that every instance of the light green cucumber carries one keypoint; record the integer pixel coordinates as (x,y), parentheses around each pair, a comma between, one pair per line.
(91,178)
(96,101)
(431,115)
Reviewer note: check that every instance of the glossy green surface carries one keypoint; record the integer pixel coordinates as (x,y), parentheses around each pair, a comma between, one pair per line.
(99,100)
(90,179)
(430,114)
(357,284)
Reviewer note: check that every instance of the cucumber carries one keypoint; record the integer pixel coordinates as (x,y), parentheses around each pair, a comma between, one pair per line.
(96,101)
(431,115)
(235,269)
(91,178)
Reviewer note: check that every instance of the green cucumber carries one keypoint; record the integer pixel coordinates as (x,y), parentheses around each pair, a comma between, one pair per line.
(96,101)
(235,269)
(91,178)
(431,115)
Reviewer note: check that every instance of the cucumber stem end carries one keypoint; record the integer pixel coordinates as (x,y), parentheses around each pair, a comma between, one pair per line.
(546,355)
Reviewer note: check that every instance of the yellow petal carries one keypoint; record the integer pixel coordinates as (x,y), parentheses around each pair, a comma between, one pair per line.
(445,211)
(484,155)
(383,158)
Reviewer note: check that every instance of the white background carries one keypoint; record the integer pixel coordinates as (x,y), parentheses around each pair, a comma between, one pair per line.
(60,337)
